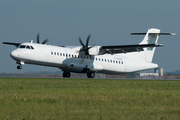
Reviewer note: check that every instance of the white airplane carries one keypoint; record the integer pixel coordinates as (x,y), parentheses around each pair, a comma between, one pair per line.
(114,59)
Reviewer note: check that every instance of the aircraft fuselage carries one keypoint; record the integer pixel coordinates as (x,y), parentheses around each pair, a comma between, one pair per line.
(69,59)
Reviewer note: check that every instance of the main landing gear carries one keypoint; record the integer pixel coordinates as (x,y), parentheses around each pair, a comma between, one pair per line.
(90,74)
(66,74)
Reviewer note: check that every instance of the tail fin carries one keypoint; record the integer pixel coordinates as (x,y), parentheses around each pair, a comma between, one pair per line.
(151,37)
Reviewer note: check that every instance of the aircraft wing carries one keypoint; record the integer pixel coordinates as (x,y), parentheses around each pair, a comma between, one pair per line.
(127,48)
(9,43)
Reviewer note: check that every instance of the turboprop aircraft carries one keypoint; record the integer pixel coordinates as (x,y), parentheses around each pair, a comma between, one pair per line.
(113,59)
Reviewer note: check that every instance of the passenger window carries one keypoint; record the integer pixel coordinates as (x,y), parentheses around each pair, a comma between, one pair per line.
(105,60)
(58,54)
(96,59)
(51,53)
(122,62)
(54,53)
(99,59)
(69,55)
(72,56)
(113,61)
(119,62)
(116,61)
(102,59)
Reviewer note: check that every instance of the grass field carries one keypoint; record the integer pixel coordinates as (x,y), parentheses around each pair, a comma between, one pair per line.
(88,99)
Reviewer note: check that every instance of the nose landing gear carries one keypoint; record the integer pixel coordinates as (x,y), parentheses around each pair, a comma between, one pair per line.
(19,67)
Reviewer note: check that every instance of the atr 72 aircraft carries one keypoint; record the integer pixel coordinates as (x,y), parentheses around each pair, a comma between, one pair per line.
(114,59)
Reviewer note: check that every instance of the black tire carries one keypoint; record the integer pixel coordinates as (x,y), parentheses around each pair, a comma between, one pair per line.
(66,74)
(90,74)
(19,67)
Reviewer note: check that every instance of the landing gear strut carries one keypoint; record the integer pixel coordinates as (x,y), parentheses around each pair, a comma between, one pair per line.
(90,74)
(19,67)
(66,74)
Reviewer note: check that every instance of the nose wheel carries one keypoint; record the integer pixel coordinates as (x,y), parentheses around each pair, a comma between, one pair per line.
(19,67)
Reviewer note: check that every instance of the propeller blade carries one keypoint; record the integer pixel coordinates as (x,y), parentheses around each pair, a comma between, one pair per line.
(87,42)
(81,42)
(85,48)
(83,58)
(45,41)
(38,38)
(91,47)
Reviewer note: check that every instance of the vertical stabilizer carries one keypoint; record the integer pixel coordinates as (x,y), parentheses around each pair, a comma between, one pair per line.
(151,37)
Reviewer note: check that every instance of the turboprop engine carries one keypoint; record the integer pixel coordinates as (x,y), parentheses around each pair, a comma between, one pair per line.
(94,50)
(90,50)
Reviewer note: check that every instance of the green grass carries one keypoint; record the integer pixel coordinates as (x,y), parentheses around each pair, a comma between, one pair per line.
(88,99)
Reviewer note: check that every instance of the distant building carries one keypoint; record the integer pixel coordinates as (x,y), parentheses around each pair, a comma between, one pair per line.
(149,74)
(157,72)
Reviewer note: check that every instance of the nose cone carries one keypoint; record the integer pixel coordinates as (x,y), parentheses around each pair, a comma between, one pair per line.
(14,54)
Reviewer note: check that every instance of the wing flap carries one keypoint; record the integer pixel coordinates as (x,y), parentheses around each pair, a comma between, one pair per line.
(127,48)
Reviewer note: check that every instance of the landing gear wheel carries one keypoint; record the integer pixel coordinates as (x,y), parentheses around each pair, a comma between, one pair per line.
(90,74)
(66,74)
(19,67)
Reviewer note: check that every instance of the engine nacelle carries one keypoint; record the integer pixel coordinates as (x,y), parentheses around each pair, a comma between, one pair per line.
(94,50)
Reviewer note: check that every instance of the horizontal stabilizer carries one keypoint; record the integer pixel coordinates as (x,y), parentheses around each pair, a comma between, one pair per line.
(153,33)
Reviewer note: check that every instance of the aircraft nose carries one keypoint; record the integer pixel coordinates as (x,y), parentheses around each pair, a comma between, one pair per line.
(14,54)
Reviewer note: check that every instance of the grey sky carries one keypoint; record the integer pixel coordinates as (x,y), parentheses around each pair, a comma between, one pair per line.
(110,22)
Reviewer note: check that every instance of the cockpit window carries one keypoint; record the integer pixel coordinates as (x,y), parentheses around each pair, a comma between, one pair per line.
(27,47)
(32,47)
(22,46)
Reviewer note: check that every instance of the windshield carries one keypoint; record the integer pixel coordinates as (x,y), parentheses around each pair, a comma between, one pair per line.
(26,47)
(22,46)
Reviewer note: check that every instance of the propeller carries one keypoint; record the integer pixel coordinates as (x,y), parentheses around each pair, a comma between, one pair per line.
(46,40)
(85,48)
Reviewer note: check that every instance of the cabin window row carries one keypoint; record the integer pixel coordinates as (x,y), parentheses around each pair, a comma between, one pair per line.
(86,57)
(111,61)
(69,55)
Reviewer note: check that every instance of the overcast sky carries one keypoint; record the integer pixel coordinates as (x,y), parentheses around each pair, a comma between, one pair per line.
(110,22)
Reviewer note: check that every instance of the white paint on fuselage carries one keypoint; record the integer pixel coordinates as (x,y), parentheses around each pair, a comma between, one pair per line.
(70,59)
